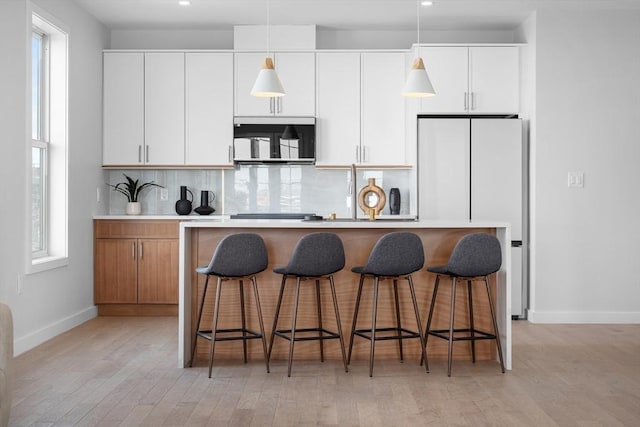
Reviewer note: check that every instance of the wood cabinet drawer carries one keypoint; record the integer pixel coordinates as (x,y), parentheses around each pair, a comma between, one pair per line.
(119,229)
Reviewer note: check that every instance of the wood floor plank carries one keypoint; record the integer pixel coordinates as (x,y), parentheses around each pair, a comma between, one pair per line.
(114,371)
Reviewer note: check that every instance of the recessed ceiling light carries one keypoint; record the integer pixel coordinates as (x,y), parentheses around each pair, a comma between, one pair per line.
(427,3)
(184,3)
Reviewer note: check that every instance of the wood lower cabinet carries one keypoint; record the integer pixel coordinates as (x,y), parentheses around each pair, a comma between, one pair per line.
(136,267)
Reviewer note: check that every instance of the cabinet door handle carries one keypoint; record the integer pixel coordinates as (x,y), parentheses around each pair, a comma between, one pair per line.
(365,158)
(140,250)
(231,154)
(466,101)
(279,105)
(146,154)
(270,105)
(357,154)
(139,153)
(473,100)
(133,250)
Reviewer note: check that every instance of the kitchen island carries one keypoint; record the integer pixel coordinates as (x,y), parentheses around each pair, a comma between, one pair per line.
(198,240)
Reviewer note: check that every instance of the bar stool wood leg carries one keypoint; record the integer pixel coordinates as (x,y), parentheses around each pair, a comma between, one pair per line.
(495,323)
(398,323)
(419,323)
(451,322)
(275,319)
(244,321)
(260,321)
(195,336)
(430,316)
(293,325)
(319,309)
(374,312)
(214,323)
(471,323)
(339,323)
(355,318)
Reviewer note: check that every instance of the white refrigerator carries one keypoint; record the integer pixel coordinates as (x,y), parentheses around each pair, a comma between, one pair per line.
(473,168)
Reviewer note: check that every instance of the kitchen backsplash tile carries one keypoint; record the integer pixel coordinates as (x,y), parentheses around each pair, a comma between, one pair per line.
(261,188)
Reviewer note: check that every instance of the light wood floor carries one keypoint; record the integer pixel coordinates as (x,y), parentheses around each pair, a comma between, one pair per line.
(115,371)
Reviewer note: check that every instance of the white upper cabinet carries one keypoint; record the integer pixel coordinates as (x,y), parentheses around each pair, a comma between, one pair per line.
(482,79)
(383,108)
(164,108)
(209,108)
(494,79)
(296,71)
(338,107)
(123,110)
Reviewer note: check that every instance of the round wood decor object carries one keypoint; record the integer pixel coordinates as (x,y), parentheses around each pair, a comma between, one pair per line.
(371,198)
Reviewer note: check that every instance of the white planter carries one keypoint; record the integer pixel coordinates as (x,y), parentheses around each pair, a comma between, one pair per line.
(133,208)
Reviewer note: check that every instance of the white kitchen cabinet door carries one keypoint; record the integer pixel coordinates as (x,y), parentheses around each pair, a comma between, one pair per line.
(297,72)
(297,75)
(123,108)
(164,108)
(496,172)
(444,169)
(382,108)
(494,79)
(447,68)
(209,108)
(338,107)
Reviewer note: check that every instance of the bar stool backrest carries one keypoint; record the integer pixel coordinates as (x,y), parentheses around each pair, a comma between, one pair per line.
(395,254)
(316,254)
(477,254)
(237,255)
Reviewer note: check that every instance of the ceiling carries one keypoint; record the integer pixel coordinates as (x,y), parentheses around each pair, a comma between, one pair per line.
(330,14)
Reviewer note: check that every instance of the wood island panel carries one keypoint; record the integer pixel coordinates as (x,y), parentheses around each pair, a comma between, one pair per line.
(438,244)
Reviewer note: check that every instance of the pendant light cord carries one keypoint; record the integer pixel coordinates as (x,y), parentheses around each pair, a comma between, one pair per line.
(268,29)
(418,27)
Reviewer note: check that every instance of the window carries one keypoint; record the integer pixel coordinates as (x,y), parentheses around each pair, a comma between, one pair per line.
(48,173)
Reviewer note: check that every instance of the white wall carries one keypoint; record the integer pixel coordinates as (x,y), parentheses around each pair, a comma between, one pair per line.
(55,300)
(588,116)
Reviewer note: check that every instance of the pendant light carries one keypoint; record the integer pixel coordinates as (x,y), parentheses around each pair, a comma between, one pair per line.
(418,83)
(267,84)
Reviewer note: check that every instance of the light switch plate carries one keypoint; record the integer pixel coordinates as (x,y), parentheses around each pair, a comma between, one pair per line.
(575,180)
(164,194)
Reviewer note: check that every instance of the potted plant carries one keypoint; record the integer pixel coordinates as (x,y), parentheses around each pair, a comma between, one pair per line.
(132,191)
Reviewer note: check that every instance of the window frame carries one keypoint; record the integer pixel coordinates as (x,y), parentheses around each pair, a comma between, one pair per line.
(55,127)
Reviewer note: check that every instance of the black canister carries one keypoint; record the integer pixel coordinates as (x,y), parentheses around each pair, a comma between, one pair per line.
(183,206)
(394,201)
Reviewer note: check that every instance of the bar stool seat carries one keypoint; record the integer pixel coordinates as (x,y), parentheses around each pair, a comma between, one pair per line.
(238,256)
(317,256)
(395,256)
(474,258)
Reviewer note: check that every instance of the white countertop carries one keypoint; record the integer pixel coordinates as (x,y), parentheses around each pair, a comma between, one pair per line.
(382,223)
(192,217)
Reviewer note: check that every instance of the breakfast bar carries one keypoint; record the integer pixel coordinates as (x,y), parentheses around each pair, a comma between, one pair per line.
(198,240)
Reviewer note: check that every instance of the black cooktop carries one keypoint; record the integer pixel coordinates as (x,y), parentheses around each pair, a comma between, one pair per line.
(266,215)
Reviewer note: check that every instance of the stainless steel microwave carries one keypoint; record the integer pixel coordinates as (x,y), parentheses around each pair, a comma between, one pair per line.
(274,140)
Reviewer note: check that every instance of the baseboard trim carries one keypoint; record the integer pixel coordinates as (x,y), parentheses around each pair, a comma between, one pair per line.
(606,317)
(29,341)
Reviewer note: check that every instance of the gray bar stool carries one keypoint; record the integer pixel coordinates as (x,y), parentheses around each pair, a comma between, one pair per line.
(316,256)
(474,258)
(395,256)
(237,257)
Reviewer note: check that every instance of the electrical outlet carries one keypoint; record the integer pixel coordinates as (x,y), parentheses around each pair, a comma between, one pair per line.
(575,179)
(19,284)
(98,194)
(164,194)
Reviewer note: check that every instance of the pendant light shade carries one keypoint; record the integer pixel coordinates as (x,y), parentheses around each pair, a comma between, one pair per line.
(418,83)
(267,84)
